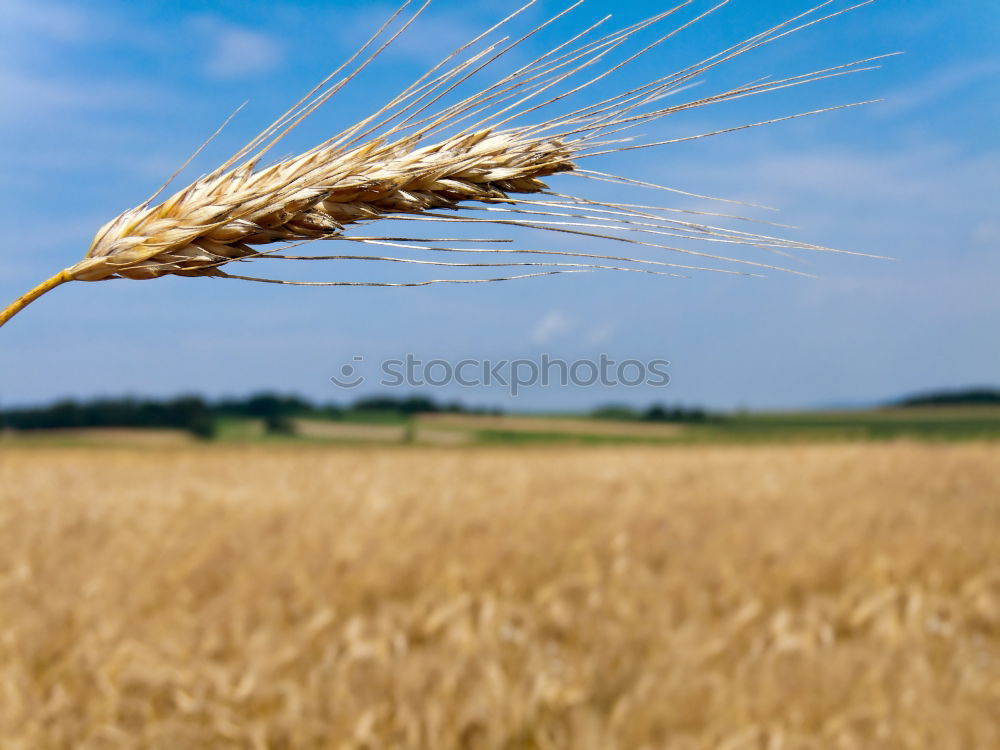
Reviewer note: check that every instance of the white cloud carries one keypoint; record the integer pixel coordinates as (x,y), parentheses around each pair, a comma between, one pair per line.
(63,23)
(237,52)
(553,325)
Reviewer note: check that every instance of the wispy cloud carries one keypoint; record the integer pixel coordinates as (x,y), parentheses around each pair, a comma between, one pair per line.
(937,86)
(236,51)
(32,97)
(40,75)
(23,20)
(602,333)
(552,325)
(928,184)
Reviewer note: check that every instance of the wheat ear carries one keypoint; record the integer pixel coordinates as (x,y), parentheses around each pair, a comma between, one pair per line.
(480,159)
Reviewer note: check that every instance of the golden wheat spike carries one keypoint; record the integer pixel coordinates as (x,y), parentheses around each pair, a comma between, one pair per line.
(408,161)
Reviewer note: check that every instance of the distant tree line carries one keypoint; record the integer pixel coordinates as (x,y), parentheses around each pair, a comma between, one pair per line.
(966,397)
(199,416)
(277,413)
(189,413)
(416,405)
(655,413)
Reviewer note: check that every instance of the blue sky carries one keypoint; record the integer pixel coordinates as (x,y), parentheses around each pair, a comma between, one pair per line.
(103,99)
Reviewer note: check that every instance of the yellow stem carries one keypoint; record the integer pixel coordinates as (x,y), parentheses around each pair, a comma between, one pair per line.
(23,301)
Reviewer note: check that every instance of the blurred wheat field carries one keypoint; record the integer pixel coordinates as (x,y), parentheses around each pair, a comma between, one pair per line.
(813,596)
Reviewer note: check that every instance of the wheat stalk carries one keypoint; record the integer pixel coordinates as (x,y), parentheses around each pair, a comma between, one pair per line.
(481,165)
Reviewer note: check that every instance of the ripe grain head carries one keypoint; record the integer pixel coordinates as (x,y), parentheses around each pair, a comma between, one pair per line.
(445,150)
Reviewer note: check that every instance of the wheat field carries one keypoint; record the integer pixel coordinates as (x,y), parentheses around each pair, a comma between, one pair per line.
(733,597)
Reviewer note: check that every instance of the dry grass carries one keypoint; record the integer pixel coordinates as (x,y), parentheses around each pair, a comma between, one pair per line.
(121,436)
(794,597)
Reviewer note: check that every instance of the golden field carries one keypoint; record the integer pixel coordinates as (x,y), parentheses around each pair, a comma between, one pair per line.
(782,596)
